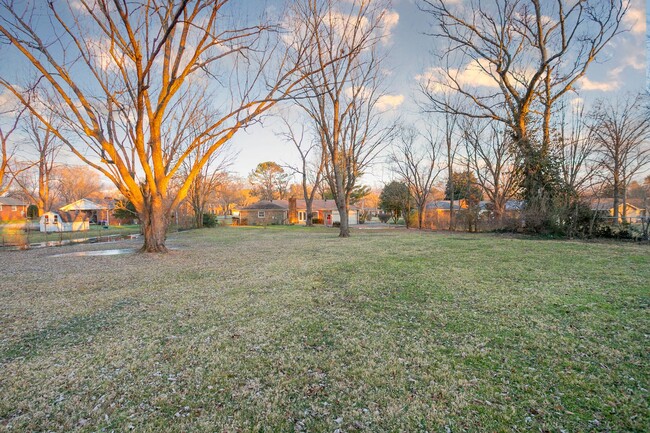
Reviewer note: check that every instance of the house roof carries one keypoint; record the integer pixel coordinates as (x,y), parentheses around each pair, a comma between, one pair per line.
(321,205)
(83,204)
(442,205)
(268,205)
(10,201)
(68,217)
(512,205)
(606,204)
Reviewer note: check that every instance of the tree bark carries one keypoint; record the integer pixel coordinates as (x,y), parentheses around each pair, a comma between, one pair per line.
(344,231)
(308,221)
(342,206)
(154,225)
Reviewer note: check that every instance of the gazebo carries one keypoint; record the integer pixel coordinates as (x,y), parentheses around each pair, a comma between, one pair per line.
(96,213)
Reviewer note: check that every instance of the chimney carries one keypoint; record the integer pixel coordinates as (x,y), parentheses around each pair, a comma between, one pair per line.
(293,211)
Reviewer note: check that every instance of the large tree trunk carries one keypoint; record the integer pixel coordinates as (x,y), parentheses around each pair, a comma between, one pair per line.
(342,206)
(154,226)
(344,231)
(308,222)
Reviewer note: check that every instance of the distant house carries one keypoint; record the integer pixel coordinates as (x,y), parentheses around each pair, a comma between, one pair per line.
(264,212)
(437,212)
(294,211)
(605,207)
(96,212)
(64,222)
(12,209)
(321,210)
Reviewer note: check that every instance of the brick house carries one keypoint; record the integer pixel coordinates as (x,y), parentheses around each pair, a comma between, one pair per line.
(293,211)
(12,209)
(264,212)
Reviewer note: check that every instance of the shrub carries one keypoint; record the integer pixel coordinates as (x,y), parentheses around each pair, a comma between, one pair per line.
(32,211)
(209,220)
(336,224)
(317,221)
(383,217)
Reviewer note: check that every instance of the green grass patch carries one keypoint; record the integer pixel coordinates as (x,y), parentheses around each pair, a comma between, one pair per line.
(294,329)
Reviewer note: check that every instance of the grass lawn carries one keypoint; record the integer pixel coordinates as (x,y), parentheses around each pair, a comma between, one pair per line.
(292,329)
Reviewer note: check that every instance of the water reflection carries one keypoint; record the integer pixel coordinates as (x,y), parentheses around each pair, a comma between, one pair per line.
(98,253)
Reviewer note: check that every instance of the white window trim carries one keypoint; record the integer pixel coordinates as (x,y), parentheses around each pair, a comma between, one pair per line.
(261,214)
(14,208)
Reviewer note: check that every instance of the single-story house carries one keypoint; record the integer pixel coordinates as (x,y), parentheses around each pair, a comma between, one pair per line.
(436,212)
(264,212)
(12,209)
(294,211)
(605,207)
(64,222)
(321,210)
(96,212)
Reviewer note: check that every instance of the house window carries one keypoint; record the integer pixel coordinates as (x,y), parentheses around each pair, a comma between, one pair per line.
(14,208)
(302,216)
(56,219)
(261,214)
(46,219)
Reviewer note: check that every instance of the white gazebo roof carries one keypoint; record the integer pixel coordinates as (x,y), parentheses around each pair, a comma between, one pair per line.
(83,204)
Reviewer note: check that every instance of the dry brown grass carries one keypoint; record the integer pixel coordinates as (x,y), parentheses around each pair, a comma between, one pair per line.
(283,329)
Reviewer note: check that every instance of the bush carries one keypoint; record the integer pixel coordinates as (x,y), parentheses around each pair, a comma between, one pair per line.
(317,221)
(336,224)
(622,232)
(383,217)
(209,220)
(32,212)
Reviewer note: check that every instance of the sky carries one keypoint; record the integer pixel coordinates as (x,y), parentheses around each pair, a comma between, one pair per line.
(621,67)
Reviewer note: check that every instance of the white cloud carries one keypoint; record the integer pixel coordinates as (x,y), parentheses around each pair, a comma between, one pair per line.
(389,21)
(389,101)
(635,19)
(575,102)
(474,74)
(587,84)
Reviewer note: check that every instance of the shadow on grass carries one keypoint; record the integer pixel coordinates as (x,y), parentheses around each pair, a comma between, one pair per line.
(66,333)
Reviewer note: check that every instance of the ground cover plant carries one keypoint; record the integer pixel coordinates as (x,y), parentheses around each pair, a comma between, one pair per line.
(294,329)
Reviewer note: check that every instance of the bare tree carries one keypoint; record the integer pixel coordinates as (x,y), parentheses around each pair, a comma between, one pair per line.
(576,151)
(206,182)
(311,166)
(120,73)
(230,193)
(36,182)
(74,182)
(345,95)
(512,60)
(451,149)
(490,158)
(7,174)
(621,130)
(417,166)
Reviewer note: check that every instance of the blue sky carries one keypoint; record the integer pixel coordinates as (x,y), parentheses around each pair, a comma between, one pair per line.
(621,68)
